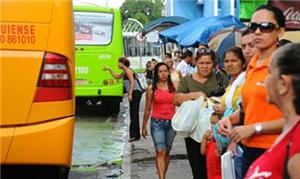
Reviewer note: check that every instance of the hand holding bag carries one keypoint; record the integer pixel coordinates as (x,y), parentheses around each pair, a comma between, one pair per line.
(184,120)
(203,121)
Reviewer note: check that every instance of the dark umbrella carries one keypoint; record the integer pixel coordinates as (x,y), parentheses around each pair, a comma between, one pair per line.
(163,23)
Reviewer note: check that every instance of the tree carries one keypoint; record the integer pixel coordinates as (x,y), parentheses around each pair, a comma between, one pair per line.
(142,10)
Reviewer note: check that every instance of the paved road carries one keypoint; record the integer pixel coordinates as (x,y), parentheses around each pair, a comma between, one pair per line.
(98,143)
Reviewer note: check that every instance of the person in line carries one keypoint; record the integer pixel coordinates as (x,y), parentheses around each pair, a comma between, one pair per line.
(153,62)
(149,72)
(159,99)
(210,149)
(282,160)
(202,83)
(175,74)
(263,121)
(248,47)
(177,59)
(184,66)
(234,65)
(248,51)
(134,93)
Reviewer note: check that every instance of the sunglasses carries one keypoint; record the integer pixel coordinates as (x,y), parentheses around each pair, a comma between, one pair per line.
(202,51)
(264,27)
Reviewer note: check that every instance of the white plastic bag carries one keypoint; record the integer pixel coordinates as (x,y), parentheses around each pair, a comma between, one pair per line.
(227,165)
(184,120)
(203,121)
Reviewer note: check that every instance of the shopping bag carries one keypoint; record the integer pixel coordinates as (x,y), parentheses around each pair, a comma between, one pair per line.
(203,121)
(227,165)
(186,115)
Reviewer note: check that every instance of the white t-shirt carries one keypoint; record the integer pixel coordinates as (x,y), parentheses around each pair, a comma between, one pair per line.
(184,68)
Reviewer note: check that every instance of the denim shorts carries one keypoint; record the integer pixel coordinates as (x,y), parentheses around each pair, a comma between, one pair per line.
(162,134)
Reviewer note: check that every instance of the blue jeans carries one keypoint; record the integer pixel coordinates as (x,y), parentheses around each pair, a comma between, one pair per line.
(238,162)
(162,134)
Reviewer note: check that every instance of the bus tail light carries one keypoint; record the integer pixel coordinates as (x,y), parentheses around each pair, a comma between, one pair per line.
(55,82)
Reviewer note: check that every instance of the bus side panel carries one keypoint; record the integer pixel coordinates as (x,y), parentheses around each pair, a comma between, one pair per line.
(46,143)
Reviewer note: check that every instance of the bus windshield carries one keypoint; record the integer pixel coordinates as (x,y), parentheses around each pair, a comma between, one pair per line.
(93,28)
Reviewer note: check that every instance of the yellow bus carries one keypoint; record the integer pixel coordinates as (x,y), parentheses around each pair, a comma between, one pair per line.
(37,88)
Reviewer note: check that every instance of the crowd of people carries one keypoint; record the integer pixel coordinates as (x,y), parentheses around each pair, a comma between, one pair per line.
(256,103)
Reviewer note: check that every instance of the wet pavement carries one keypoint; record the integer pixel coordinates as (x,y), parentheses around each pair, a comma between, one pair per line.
(99,143)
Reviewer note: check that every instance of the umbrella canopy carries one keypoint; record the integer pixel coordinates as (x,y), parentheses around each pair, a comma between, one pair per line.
(163,23)
(223,40)
(198,31)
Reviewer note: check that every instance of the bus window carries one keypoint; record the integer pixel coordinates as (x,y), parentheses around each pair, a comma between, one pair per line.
(93,28)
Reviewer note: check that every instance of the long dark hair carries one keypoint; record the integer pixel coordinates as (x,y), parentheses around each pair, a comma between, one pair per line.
(156,78)
(277,13)
(288,62)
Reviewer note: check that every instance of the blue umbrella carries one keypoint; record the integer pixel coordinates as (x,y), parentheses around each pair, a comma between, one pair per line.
(170,34)
(198,31)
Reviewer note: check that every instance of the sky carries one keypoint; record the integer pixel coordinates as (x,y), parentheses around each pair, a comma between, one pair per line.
(104,3)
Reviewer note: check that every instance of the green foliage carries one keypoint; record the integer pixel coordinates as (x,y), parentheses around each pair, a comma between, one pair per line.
(142,10)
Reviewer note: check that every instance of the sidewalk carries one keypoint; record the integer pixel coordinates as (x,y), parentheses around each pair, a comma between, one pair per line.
(139,158)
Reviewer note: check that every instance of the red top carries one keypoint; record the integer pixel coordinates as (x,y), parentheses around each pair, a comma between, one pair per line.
(162,104)
(271,163)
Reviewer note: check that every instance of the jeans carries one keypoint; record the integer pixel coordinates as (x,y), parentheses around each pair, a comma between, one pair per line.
(249,156)
(162,134)
(197,161)
(134,128)
(238,162)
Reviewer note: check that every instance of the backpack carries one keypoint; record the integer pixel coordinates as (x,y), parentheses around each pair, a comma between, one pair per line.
(141,80)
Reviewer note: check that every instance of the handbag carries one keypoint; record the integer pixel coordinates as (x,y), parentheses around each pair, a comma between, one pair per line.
(185,118)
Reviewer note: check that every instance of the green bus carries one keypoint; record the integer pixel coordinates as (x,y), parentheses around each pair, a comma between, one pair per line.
(98,43)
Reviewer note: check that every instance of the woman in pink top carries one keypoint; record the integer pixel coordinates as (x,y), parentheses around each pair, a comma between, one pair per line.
(159,98)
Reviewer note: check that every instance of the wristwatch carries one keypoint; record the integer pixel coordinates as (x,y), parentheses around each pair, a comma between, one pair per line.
(257,128)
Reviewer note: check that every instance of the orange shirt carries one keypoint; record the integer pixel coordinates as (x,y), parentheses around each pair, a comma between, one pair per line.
(255,104)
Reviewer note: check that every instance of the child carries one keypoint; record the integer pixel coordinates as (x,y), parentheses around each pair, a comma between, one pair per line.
(210,149)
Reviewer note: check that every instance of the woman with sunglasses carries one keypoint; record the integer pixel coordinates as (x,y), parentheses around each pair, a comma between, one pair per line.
(263,122)
(204,82)
(282,160)
(159,102)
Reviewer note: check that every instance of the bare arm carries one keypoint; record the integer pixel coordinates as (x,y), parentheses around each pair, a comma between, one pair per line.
(179,98)
(204,142)
(114,74)
(129,73)
(294,166)
(147,110)
(271,127)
